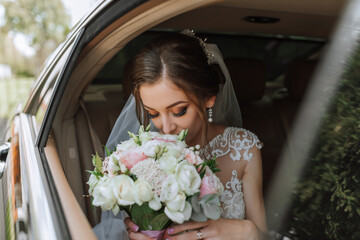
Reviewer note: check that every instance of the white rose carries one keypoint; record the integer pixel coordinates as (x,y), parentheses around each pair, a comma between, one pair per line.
(187,177)
(143,192)
(155,203)
(93,181)
(153,148)
(176,151)
(170,189)
(178,203)
(103,195)
(168,163)
(126,145)
(179,216)
(123,189)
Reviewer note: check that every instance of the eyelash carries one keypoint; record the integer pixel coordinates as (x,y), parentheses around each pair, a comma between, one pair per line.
(151,116)
(181,113)
(175,114)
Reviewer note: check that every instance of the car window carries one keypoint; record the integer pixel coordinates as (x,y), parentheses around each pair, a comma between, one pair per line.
(47,88)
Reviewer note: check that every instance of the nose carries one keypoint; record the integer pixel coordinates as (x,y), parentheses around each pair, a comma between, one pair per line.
(168,126)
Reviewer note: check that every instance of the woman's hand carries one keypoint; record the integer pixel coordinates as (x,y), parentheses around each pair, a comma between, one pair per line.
(214,229)
(133,231)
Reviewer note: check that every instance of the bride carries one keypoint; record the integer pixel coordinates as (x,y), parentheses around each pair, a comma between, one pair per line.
(180,82)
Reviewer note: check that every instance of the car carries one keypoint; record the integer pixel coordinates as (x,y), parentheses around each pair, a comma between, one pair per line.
(291,63)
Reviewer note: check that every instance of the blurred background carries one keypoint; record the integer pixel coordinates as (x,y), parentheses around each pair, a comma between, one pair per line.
(30,30)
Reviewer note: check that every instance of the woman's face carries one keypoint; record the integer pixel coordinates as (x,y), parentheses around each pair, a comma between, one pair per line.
(171,110)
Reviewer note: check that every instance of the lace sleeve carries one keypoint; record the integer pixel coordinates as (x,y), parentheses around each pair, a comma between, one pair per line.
(236,142)
(230,147)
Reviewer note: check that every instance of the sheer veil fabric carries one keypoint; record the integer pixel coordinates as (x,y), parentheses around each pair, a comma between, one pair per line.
(226,111)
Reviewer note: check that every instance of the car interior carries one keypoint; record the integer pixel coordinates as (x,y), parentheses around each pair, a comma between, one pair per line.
(271,51)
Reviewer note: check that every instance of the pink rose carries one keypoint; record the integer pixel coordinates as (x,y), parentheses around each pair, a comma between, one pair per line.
(193,158)
(210,184)
(131,157)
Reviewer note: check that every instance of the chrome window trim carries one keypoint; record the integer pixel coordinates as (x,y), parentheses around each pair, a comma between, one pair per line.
(43,208)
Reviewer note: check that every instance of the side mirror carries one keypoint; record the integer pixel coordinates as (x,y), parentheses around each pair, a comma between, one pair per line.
(4,150)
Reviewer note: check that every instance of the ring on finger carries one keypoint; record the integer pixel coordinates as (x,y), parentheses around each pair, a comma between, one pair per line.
(199,235)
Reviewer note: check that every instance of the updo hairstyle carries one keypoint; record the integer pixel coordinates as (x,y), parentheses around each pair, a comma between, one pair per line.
(185,63)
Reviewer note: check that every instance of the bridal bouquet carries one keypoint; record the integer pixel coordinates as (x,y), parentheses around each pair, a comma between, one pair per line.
(157,180)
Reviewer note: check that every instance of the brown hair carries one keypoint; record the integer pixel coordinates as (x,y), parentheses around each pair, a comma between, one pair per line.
(184,62)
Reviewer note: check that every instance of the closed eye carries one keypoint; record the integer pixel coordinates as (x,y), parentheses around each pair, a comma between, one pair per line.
(180,113)
(153,115)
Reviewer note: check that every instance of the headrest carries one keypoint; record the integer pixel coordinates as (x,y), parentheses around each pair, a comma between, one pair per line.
(298,76)
(248,77)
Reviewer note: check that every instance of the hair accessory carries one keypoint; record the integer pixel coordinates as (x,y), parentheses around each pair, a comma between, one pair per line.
(210,119)
(209,55)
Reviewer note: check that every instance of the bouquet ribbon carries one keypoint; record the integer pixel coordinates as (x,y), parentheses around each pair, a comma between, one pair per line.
(154,234)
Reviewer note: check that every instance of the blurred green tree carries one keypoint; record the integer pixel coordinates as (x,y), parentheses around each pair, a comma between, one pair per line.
(327,199)
(44,22)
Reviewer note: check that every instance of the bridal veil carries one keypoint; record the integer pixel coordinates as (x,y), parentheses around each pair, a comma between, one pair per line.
(226,111)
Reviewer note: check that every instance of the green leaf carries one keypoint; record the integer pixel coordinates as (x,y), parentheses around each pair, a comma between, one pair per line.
(182,135)
(108,153)
(92,172)
(141,129)
(148,219)
(97,162)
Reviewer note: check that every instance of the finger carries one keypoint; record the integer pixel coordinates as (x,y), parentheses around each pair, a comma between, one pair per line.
(139,236)
(131,225)
(186,226)
(193,234)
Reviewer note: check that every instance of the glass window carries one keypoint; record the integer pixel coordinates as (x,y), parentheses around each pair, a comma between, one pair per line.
(44,93)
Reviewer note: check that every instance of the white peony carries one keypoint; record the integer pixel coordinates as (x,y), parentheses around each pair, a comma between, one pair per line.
(170,189)
(123,189)
(187,177)
(168,163)
(142,191)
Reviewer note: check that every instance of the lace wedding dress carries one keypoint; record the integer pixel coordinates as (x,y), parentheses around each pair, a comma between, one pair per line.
(230,148)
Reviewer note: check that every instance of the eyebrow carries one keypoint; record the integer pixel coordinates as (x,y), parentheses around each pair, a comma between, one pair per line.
(170,106)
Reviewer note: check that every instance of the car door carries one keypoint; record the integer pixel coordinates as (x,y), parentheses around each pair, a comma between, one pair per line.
(32,203)
(29,202)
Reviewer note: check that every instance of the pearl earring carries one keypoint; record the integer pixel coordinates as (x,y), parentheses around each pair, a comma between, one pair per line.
(210,119)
